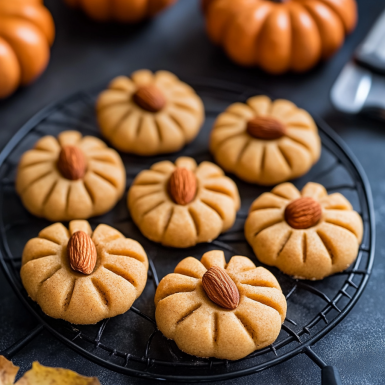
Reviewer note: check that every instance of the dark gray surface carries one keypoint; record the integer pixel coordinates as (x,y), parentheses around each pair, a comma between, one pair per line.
(86,53)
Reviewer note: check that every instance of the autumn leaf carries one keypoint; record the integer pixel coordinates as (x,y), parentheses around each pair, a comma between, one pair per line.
(8,371)
(42,375)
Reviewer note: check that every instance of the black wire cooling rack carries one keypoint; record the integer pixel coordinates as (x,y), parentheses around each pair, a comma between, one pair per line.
(130,343)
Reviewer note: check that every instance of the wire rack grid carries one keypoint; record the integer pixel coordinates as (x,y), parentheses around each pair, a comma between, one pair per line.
(131,344)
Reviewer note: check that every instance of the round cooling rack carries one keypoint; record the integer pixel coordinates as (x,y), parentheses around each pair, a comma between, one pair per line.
(131,343)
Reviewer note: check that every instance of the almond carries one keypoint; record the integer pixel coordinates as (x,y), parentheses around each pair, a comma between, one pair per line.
(182,186)
(266,128)
(72,163)
(303,213)
(220,288)
(150,98)
(81,252)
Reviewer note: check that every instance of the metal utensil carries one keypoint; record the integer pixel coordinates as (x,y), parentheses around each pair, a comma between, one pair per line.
(360,87)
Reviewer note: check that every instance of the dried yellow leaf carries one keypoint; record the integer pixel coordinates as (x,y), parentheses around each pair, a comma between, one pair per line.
(42,375)
(8,371)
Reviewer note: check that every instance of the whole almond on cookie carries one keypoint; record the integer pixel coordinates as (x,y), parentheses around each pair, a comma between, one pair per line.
(72,162)
(266,128)
(182,186)
(220,288)
(150,98)
(303,213)
(81,252)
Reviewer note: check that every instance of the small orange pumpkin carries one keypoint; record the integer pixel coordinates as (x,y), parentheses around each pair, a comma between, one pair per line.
(124,11)
(279,35)
(26,33)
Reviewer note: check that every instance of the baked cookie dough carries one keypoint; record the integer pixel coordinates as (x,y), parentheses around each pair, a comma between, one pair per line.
(265,142)
(71,177)
(110,272)
(183,204)
(307,234)
(205,328)
(149,113)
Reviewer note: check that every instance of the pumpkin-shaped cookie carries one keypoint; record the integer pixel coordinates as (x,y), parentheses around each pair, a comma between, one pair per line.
(213,309)
(71,177)
(265,142)
(149,113)
(307,234)
(183,204)
(123,11)
(26,33)
(83,276)
(279,35)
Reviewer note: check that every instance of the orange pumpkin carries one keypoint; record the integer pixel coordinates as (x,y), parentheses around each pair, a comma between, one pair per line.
(124,11)
(26,33)
(279,35)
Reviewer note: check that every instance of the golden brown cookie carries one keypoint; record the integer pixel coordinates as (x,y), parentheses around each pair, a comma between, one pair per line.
(265,142)
(149,113)
(183,204)
(71,177)
(246,314)
(307,234)
(83,276)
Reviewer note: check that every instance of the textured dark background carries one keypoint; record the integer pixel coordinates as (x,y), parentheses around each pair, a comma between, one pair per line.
(86,53)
